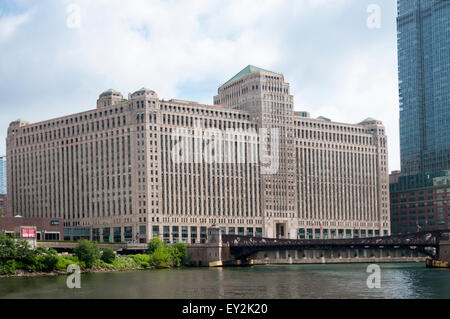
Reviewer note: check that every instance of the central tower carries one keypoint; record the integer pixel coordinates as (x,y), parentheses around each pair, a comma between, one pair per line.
(266,96)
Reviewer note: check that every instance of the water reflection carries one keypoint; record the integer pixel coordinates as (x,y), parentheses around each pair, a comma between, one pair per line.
(290,281)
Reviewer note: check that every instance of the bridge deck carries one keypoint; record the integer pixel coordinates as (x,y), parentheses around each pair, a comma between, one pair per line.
(430,239)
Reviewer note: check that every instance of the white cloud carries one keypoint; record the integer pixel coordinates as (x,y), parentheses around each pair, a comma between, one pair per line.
(9,24)
(365,86)
(48,69)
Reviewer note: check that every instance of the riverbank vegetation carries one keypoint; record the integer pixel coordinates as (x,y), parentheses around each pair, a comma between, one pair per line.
(16,255)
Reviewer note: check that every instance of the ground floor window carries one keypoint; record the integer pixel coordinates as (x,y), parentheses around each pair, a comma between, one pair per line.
(95,234)
(155,231)
(117,234)
(166,234)
(184,233)
(142,230)
(51,236)
(128,234)
(259,232)
(301,233)
(317,234)
(107,235)
(175,234)
(203,235)
(194,234)
(333,233)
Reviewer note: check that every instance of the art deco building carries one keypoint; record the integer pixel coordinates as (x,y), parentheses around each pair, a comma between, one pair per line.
(133,169)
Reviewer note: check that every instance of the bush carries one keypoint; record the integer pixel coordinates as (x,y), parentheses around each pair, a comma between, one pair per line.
(125,263)
(161,258)
(87,252)
(17,250)
(154,244)
(8,267)
(66,261)
(48,261)
(108,255)
(179,255)
(142,260)
(7,248)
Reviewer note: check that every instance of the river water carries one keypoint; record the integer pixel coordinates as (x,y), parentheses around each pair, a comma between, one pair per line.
(411,280)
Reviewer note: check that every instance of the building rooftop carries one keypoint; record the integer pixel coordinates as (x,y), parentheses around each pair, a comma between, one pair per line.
(246,71)
(110,91)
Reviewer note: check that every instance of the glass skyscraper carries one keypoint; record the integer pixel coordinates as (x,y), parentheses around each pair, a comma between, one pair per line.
(2,175)
(424,85)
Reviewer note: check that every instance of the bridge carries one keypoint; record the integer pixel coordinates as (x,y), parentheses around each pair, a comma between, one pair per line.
(223,249)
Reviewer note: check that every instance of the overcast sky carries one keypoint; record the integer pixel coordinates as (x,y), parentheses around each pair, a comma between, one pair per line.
(53,64)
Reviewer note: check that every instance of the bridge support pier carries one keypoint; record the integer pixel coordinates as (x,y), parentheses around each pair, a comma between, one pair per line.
(442,259)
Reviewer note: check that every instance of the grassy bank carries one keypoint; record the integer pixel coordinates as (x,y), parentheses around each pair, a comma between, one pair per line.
(17,258)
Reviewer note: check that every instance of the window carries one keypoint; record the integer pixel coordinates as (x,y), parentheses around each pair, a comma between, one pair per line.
(51,236)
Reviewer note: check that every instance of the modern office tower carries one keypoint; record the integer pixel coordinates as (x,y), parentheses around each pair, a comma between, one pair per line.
(424,88)
(133,169)
(3,175)
(424,85)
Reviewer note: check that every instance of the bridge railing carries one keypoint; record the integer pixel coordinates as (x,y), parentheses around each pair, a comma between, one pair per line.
(430,238)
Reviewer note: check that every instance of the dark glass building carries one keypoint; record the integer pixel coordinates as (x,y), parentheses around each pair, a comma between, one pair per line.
(420,194)
(424,85)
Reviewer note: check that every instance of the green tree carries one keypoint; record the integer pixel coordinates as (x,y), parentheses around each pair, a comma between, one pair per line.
(24,253)
(1,213)
(88,252)
(8,267)
(179,254)
(47,260)
(154,244)
(7,247)
(161,258)
(108,255)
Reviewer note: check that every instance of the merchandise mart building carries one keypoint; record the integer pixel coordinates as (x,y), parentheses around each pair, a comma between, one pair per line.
(110,173)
